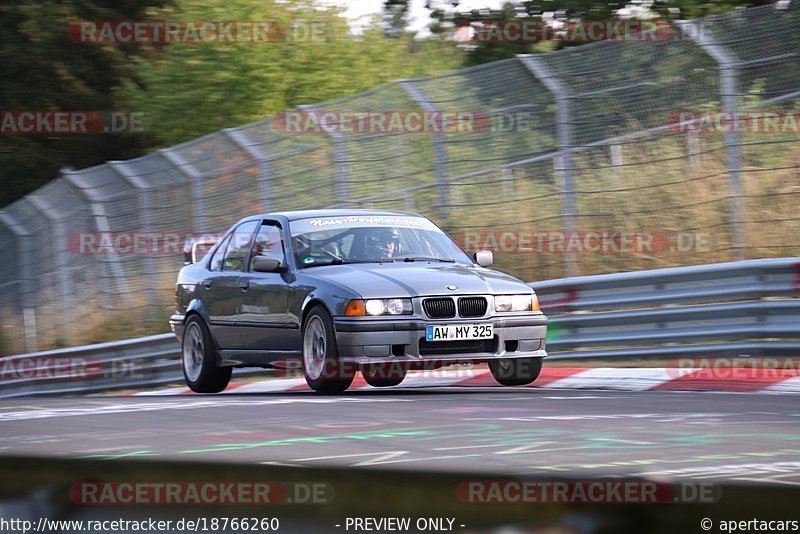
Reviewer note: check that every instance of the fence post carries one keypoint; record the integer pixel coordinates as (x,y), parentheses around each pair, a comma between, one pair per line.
(340,161)
(729,102)
(146,225)
(565,142)
(617,161)
(101,225)
(439,149)
(196,180)
(23,238)
(243,141)
(60,263)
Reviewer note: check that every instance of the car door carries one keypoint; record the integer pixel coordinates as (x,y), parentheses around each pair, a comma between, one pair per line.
(264,320)
(220,287)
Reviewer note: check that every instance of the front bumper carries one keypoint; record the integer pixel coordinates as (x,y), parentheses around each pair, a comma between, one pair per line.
(176,325)
(372,340)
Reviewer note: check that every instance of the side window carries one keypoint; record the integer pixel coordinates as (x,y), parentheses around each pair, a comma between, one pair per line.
(238,246)
(268,242)
(216,260)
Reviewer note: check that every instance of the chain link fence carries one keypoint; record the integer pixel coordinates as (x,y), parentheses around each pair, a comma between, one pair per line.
(591,159)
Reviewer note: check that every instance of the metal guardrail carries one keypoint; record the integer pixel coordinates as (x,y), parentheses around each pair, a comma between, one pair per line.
(738,308)
(117,365)
(130,363)
(726,309)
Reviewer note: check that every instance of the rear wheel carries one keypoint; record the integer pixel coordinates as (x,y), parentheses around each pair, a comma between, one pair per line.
(515,371)
(322,368)
(199,359)
(383,375)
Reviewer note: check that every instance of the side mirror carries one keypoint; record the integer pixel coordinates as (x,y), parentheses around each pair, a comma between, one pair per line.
(195,249)
(484,257)
(266,264)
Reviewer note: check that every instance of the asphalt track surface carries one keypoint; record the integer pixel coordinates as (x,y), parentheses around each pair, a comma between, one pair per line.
(516,431)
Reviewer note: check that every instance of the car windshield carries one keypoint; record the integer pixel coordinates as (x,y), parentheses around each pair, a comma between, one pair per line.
(371,238)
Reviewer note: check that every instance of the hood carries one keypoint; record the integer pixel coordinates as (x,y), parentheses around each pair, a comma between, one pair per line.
(386,280)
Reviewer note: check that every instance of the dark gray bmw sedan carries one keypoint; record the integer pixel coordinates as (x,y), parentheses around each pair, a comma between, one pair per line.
(335,292)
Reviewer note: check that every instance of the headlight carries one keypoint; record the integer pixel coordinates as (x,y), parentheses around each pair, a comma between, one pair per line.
(398,306)
(379,307)
(515,303)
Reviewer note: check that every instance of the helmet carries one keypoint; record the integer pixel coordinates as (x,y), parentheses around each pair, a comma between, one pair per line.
(381,242)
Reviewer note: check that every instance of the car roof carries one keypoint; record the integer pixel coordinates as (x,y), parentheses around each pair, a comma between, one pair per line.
(308,214)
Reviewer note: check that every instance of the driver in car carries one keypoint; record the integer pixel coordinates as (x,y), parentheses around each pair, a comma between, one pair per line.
(383,243)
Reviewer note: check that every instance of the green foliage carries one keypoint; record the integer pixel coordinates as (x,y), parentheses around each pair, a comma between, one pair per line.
(192,90)
(183,90)
(44,70)
(446,16)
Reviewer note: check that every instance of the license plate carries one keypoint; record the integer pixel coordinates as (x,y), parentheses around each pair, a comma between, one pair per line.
(458,332)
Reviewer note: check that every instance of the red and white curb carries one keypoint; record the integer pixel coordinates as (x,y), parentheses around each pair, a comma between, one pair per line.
(739,380)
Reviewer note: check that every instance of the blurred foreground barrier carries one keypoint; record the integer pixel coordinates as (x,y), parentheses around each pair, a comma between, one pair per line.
(726,309)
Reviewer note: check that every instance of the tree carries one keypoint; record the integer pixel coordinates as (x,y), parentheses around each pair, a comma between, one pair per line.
(447,18)
(196,89)
(44,70)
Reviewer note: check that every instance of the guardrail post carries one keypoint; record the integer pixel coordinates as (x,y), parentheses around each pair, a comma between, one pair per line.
(564,166)
(23,238)
(729,101)
(439,149)
(196,180)
(340,161)
(243,141)
(146,225)
(101,225)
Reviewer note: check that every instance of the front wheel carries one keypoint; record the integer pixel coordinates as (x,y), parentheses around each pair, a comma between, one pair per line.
(322,368)
(515,371)
(199,359)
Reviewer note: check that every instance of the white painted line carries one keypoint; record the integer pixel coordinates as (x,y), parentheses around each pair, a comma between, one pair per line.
(468,447)
(627,379)
(185,403)
(790,385)
(158,392)
(268,386)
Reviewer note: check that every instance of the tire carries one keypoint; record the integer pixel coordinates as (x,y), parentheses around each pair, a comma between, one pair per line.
(323,370)
(515,371)
(383,375)
(199,359)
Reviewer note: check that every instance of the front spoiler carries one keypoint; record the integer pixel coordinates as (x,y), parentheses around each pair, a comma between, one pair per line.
(439,358)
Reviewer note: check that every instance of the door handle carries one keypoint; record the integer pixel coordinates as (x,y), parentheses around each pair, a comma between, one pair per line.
(244,285)
(207,283)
